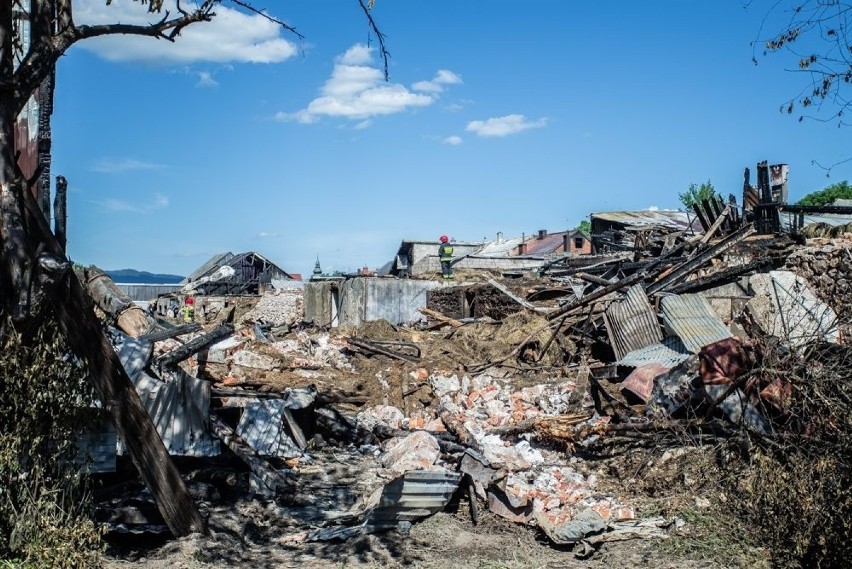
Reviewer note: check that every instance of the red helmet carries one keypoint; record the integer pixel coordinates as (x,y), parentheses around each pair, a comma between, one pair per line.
(189,300)
(444,239)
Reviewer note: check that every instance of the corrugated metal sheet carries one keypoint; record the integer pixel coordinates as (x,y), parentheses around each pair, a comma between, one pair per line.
(631,323)
(211,265)
(417,494)
(146,291)
(653,354)
(691,318)
(96,447)
(263,427)
(179,410)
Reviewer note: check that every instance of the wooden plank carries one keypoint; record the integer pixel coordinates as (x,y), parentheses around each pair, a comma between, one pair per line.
(440,317)
(273,478)
(295,429)
(513,296)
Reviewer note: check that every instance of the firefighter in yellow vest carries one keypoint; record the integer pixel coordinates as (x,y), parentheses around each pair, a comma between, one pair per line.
(189,310)
(445,254)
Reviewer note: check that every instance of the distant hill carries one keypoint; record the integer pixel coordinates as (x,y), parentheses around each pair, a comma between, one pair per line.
(142,277)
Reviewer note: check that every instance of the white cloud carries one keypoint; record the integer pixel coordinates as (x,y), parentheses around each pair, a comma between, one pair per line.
(653,208)
(205,79)
(231,36)
(118,165)
(364,124)
(158,202)
(267,235)
(436,85)
(452,140)
(357,90)
(504,126)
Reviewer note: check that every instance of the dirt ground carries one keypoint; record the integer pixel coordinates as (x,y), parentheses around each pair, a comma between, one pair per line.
(445,540)
(677,483)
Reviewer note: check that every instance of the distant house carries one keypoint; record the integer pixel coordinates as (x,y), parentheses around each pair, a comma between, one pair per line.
(548,244)
(416,257)
(250,273)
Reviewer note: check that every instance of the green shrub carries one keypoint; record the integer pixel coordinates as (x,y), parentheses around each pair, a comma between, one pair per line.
(44,399)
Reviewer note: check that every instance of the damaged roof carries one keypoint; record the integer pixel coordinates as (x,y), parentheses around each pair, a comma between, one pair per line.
(666,218)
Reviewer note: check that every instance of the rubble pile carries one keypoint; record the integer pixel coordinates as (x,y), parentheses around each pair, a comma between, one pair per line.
(826,264)
(277,308)
(509,405)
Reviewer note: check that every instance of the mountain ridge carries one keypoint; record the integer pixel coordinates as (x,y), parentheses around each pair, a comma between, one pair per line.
(143,277)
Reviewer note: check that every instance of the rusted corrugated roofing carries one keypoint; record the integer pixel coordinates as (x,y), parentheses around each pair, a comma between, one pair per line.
(632,323)
(690,318)
(417,494)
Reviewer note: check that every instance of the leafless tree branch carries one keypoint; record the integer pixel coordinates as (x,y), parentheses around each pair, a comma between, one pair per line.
(380,37)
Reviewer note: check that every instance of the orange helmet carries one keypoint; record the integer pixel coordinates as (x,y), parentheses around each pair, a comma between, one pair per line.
(444,239)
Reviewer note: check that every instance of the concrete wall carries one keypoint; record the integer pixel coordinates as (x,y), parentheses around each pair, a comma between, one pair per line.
(396,300)
(365,299)
(318,302)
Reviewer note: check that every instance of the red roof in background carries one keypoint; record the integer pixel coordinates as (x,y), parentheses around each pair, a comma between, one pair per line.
(296,276)
(550,243)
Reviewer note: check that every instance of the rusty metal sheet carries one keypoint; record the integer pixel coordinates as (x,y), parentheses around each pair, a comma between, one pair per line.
(631,323)
(690,317)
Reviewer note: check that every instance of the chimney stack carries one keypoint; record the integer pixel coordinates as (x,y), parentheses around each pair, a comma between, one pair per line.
(566,242)
(542,233)
(499,237)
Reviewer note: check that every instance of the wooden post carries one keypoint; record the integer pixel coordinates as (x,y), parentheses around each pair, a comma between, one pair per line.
(83,332)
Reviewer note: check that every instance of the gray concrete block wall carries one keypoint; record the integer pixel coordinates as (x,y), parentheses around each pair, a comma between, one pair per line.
(317,298)
(396,301)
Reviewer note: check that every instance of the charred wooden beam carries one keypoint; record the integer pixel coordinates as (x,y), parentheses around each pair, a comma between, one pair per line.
(60,212)
(381,348)
(683,270)
(166,333)
(723,277)
(600,293)
(194,346)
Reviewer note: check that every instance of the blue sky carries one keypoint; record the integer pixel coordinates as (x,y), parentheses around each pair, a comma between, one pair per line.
(498,116)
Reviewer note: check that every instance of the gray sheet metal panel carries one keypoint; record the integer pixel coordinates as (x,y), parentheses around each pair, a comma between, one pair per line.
(690,318)
(417,494)
(632,323)
(262,428)
(179,410)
